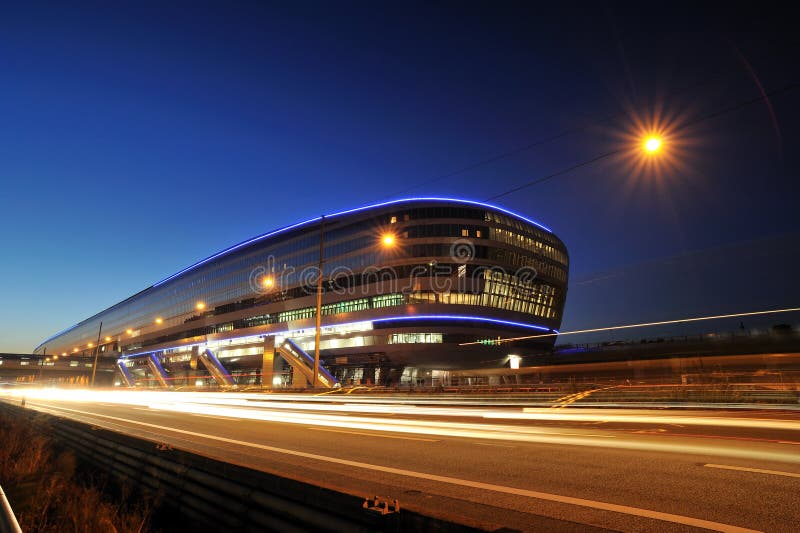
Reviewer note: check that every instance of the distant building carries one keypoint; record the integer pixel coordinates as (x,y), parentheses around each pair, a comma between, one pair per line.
(404,283)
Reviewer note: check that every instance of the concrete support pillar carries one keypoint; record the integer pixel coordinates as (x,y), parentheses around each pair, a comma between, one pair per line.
(268,362)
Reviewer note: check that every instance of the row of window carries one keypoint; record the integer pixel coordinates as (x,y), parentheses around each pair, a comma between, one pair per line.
(518,260)
(529,243)
(508,303)
(227,279)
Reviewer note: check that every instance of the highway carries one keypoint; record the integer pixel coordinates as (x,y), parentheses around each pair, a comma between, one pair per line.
(556,469)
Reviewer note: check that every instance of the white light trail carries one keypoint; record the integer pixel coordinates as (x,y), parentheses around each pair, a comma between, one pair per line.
(642,325)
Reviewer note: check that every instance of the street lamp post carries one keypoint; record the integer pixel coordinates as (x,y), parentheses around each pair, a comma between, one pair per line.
(318,328)
(96,352)
(41,362)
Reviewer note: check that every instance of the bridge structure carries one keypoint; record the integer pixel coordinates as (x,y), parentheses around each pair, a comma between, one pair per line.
(163,370)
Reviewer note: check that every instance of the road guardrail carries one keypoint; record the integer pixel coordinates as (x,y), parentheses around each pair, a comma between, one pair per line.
(8,522)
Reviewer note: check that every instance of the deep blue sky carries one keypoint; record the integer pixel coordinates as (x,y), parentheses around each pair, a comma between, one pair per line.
(137,139)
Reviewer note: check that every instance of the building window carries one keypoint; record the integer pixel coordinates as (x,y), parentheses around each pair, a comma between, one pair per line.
(415,338)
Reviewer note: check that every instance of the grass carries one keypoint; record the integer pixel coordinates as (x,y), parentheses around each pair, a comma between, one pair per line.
(49,493)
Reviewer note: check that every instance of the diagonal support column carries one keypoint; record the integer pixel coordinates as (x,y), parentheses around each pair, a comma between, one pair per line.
(125,372)
(157,370)
(215,368)
(303,365)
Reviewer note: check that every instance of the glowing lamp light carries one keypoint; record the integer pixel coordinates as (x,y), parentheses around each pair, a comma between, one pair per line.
(74,350)
(91,344)
(514,361)
(652,144)
(388,240)
(63,354)
(129,331)
(108,339)
(267,282)
(200,306)
(159,320)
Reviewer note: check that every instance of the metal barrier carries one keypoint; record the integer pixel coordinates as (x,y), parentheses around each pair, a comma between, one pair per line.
(8,522)
(220,496)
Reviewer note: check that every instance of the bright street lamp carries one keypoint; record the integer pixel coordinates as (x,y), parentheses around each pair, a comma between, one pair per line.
(387,240)
(652,144)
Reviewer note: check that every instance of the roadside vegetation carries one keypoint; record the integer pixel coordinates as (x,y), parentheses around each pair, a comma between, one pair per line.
(49,493)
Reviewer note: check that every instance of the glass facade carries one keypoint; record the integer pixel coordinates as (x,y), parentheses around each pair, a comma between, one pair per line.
(470,257)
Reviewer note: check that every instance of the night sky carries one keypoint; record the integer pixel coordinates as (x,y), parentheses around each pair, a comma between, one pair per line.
(139,138)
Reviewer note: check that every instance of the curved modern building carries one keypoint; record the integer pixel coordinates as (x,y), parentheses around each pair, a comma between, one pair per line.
(404,284)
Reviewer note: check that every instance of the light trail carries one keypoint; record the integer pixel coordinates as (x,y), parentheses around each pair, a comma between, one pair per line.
(483,431)
(571,500)
(422,419)
(255,402)
(642,325)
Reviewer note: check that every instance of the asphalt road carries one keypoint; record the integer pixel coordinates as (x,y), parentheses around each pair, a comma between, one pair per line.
(559,469)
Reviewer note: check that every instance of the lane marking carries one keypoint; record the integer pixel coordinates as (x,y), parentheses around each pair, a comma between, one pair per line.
(756,470)
(581,502)
(214,416)
(372,434)
(662,433)
(572,398)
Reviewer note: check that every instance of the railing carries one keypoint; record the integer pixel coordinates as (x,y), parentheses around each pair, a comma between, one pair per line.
(8,522)
(224,497)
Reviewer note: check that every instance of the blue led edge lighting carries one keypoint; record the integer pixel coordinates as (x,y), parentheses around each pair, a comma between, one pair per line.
(347,212)
(54,335)
(310,221)
(461,317)
(384,319)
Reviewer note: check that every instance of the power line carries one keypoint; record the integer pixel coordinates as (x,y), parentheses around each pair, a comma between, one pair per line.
(605,155)
(642,325)
(707,78)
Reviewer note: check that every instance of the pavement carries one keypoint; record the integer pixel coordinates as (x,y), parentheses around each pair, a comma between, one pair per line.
(564,468)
